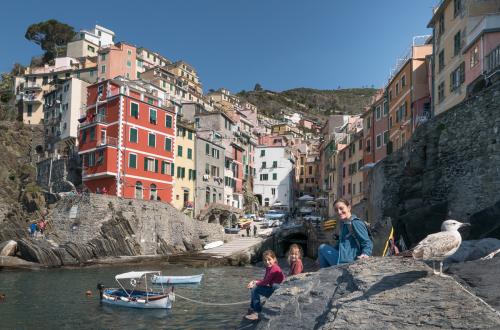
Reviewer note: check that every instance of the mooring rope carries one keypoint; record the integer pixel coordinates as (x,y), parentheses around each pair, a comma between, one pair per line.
(211,304)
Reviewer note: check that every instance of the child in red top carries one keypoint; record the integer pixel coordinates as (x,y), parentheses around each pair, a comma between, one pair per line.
(265,287)
(295,260)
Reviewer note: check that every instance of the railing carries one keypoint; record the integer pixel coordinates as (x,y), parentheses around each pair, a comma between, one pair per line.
(31,98)
(108,141)
(93,119)
(493,60)
(31,85)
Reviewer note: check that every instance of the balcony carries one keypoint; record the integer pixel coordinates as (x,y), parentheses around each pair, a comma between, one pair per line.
(30,86)
(31,99)
(92,119)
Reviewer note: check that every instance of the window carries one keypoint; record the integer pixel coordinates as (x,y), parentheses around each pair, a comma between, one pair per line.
(215,153)
(441,60)
(397,88)
(403,81)
(474,57)
(30,110)
(348,188)
(103,69)
(152,116)
(386,137)
(92,134)
(441,25)
(168,121)
(179,151)
(139,63)
(360,147)
(354,189)
(129,64)
(457,40)
(264,177)
(368,145)
(378,113)
(390,95)
(275,164)
(45,80)
(132,160)
(457,77)
(207,149)
(134,110)
(441,92)
(263,165)
(166,168)
(103,57)
(390,122)
(190,153)
(273,191)
(386,108)
(90,49)
(457,7)
(153,193)
(379,141)
(368,122)
(310,170)
(275,176)
(190,135)
(207,168)
(150,165)
(168,144)
(493,59)
(138,190)
(262,153)
(151,140)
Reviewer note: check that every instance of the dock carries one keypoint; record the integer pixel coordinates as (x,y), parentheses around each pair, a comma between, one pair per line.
(238,244)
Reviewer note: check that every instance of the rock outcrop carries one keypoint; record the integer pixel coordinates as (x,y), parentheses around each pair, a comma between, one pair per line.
(82,229)
(379,293)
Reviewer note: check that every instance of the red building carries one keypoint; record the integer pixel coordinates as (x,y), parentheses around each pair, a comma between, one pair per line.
(127,140)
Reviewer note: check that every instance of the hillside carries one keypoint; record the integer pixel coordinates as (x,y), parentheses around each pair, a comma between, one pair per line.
(310,102)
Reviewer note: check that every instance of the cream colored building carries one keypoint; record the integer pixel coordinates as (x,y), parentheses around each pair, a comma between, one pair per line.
(185,168)
(86,43)
(451,22)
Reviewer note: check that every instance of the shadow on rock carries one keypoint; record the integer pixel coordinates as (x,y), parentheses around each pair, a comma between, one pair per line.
(391,282)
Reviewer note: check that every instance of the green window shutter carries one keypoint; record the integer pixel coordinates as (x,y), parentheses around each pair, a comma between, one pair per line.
(178,172)
(156,165)
(132,161)
(152,116)
(145,164)
(168,121)
(275,176)
(194,174)
(133,135)
(275,164)
(134,110)
(183,172)
(172,169)
(151,140)
(163,167)
(179,151)
(189,174)
(168,144)
(190,153)
(207,149)
(190,135)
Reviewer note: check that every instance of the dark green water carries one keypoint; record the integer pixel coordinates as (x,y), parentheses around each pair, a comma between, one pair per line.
(55,299)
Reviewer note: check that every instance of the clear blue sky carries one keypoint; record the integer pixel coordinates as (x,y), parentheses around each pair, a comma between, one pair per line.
(235,43)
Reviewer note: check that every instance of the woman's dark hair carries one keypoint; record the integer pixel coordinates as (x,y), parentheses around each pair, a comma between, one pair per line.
(341,200)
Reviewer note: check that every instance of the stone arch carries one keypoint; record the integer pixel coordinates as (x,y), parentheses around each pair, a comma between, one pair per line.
(212,218)
(234,220)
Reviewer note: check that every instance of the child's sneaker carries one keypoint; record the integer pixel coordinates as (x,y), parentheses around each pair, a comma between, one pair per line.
(252,317)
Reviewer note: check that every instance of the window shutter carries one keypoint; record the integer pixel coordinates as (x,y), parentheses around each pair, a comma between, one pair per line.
(145,164)
(163,167)
(172,169)
(156,165)
(194,174)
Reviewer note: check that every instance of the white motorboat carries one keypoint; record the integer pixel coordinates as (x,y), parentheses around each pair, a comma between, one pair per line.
(213,245)
(134,291)
(190,279)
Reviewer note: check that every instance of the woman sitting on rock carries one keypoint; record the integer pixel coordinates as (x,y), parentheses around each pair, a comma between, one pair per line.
(353,243)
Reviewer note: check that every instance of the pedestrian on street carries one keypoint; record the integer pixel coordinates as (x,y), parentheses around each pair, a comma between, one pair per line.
(254,230)
(248,231)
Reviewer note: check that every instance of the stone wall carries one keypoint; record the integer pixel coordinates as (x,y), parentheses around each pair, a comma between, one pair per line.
(449,169)
(59,175)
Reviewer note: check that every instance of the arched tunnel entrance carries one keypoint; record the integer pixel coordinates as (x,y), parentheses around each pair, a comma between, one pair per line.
(295,238)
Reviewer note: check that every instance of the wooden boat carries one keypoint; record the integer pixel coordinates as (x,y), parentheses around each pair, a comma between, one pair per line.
(135,293)
(228,230)
(190,279)
(213,245)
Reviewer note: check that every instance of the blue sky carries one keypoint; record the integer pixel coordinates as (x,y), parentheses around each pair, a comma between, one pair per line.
(235,44)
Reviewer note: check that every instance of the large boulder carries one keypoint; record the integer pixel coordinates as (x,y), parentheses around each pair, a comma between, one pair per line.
(379,293)
(38,251)
(8,248)
(473,250)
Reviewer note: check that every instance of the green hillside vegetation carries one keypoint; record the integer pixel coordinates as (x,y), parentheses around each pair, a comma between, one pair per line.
(312,103)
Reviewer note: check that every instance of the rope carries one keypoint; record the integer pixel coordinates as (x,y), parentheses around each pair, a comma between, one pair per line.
(209,303)
(481,300)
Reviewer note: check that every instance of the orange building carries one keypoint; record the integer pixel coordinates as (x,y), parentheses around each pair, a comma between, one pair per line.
(127,140)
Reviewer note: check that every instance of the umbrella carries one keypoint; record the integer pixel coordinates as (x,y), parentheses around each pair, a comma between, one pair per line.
(322,198)
(306,198)
(310,203)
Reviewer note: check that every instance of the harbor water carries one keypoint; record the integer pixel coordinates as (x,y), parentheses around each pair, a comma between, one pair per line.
(56,299)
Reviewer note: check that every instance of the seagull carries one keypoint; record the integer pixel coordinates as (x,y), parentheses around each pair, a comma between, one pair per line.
(438,246)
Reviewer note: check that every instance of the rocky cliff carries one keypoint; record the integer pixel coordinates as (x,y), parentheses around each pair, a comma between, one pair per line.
(82,228)
(380,293)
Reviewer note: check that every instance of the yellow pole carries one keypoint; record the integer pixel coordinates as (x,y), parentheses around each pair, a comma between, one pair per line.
(387,242)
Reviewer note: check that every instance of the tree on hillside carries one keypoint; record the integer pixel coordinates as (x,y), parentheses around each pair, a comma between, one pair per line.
(52,36)
(257,87)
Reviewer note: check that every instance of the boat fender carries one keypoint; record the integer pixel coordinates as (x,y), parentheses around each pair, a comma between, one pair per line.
(141,301)
(124,299)
(171,296)
(133,282)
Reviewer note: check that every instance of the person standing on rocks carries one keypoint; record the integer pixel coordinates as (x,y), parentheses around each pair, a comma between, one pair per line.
(254,230)
(354,241)
(248,231)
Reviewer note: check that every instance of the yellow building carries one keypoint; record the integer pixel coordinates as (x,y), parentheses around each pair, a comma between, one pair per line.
(451,21)
(185,172)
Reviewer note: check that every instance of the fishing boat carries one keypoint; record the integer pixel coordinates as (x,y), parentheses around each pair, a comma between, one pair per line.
(136,291)
(190,279)
(213,245)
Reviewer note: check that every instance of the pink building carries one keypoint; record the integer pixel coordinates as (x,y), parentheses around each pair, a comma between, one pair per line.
(306,123)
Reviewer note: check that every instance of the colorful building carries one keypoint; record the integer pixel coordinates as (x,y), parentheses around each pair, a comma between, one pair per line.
(127,140)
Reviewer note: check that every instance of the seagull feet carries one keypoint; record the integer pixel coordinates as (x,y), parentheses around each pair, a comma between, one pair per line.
(435,272)
(444,275)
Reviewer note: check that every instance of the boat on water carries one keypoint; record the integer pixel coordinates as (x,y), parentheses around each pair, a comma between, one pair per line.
(190,279)
(136,290)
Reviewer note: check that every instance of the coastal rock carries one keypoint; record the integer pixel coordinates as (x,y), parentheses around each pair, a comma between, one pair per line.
(15,262)
(8,248)
(39,251)
(379,293)
(474,249)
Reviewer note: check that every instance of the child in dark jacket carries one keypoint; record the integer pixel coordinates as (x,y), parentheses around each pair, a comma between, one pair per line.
(295,260)
(266,286)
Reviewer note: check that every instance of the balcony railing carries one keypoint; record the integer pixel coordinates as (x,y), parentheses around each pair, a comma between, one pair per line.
(93,119)
(493,60)
(32,86)
(108,141)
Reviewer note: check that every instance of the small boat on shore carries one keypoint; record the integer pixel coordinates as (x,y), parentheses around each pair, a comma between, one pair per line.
(213,245)
(190,279)
(228,230)
(135,293)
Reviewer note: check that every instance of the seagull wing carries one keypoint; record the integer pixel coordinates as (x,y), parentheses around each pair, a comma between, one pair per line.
(437,246)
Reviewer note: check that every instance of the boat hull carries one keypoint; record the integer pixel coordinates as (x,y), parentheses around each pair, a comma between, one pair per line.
(194,279)
(118,297)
